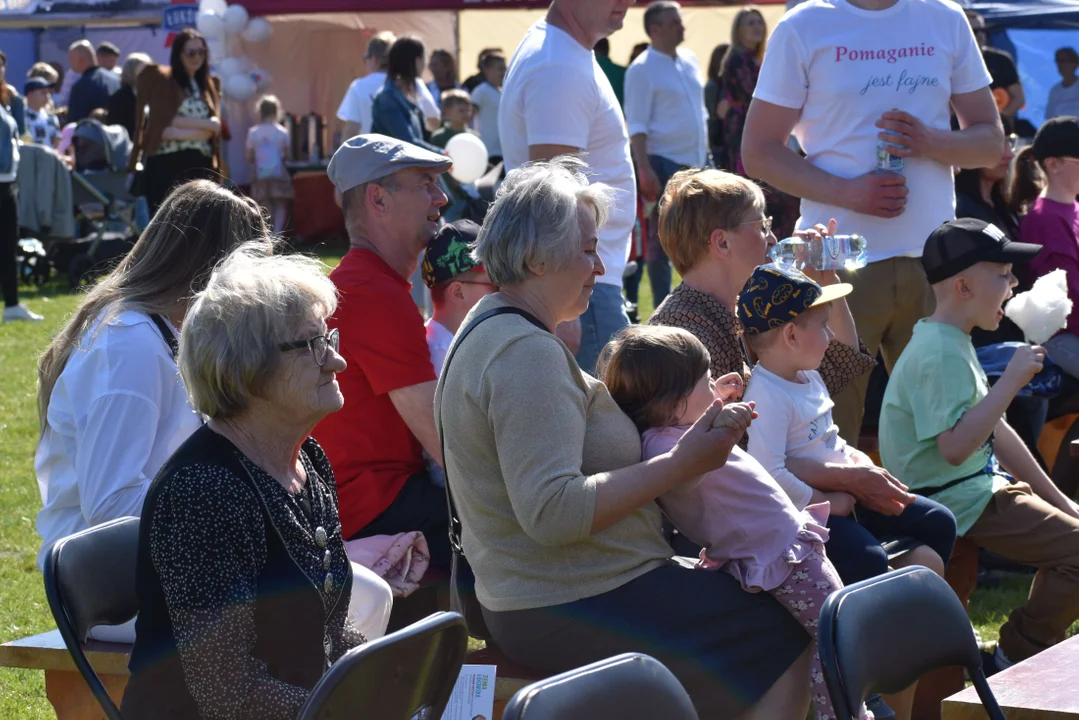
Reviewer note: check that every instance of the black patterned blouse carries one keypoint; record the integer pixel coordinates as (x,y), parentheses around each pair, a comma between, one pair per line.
(243,588)
(721,332)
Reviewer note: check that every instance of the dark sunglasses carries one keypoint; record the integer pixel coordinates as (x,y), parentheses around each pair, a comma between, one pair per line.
(195,52)
(319,346)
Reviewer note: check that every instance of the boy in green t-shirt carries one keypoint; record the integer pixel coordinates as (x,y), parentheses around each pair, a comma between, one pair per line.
(943,432)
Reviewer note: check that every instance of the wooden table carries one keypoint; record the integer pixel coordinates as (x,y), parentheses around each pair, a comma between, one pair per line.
(1044,687)
(64,686)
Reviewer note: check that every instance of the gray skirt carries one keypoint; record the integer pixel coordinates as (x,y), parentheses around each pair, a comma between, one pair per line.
(726,646)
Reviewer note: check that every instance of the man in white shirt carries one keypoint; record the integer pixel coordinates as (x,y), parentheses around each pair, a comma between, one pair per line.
(843,75)
(557,101)
(486,98)
(1064,96)
(355,109)
(667,121)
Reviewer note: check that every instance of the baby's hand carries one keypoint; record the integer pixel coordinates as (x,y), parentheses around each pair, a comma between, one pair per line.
(730,387)
(736,416)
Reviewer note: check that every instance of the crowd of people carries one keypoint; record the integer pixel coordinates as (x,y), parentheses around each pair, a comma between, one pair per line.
(267,421)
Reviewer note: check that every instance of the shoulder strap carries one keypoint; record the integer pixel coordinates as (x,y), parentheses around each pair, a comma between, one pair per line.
(455,521)
(167,334)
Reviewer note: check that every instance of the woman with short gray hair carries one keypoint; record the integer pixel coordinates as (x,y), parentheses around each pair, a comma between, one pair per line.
(243,582)
(557,510)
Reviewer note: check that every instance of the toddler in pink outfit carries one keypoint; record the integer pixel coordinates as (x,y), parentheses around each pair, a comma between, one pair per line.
(744,521)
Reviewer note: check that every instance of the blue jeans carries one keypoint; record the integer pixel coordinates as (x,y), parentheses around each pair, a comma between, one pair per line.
(604,317)
(854,545)
(659,267)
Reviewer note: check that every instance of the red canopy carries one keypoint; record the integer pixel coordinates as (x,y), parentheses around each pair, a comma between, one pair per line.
(285,7)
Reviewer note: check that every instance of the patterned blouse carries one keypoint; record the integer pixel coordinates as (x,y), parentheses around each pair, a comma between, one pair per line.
(193,106)
(721,332)
(739,80)
(212,543)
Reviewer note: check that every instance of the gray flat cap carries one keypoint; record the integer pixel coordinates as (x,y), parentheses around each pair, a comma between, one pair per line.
(365,158)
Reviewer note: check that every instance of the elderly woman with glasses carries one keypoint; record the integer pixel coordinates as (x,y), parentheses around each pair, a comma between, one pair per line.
(243,582)
(557,510)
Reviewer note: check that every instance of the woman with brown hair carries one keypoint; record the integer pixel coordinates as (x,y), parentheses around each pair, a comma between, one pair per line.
(111,403)
(179,138)
(396,108)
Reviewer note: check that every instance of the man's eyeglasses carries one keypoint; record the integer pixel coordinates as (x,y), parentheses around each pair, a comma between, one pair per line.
(766,223)
(319,346)
(195,52)
(1013,142)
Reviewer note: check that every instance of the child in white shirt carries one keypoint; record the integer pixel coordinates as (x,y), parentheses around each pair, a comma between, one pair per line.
(267,148)
(785,316)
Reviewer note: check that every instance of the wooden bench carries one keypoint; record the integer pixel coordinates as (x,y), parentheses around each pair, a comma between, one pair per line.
(64,686)
(72,699)
(1042,687)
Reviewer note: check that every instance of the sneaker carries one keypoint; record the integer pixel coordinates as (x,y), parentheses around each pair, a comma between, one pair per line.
(875,704)
(21,312)
(995,661)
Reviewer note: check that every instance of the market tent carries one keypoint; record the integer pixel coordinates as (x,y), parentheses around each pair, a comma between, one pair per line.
(1044,14)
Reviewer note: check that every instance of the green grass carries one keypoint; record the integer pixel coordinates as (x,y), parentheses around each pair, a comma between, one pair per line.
(23,610)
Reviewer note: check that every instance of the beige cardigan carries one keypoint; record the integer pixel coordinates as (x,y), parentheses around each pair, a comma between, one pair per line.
(523,432)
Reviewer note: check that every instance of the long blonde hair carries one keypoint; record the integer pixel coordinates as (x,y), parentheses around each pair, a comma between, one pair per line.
(195,227)
(736,44)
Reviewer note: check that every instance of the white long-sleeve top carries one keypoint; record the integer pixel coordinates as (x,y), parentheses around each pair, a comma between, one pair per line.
(795,420)
(117,412)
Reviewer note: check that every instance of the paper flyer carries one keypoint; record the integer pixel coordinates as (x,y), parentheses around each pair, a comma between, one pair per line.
(473,696)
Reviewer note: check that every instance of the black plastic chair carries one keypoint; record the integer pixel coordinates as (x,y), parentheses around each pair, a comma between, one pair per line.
(882,634)
(407,674)
(628,687)
(90,581)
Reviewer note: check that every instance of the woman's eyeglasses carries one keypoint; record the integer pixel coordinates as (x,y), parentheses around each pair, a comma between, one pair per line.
(319,346)
(766,223)
(195,52)
(1013,142)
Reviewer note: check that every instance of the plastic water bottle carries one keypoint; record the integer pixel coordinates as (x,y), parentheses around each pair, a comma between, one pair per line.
(886,161)
(832,252)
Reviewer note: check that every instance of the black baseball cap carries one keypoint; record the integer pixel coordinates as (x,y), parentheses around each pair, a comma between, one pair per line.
(35,83)
(958,244)
(1058,137)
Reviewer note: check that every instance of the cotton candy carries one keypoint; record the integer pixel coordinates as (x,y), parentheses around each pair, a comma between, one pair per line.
(1043,310)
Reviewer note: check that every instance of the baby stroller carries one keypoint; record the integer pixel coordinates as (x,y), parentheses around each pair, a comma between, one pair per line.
(104,206)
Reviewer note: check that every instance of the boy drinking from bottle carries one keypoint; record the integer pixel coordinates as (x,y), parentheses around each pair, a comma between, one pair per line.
(786,319)
(943,433)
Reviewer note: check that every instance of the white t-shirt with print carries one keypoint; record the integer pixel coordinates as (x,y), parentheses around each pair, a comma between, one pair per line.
(844,67)
(555,93)
(270,142)
(795,421)
(486,97)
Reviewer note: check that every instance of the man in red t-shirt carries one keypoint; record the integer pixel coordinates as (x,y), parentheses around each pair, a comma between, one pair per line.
(391,199)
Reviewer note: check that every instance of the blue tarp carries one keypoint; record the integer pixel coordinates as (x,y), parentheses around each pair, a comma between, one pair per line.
(1028,14)
(1032,31)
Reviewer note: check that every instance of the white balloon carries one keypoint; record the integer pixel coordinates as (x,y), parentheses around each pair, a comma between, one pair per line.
(240,87)
(210,24)
(230,66)
(257,30)
(262,79)
(217,6)
(469,156)
(235,19)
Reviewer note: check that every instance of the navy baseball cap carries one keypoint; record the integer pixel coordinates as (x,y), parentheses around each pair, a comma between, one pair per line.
(773,296)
